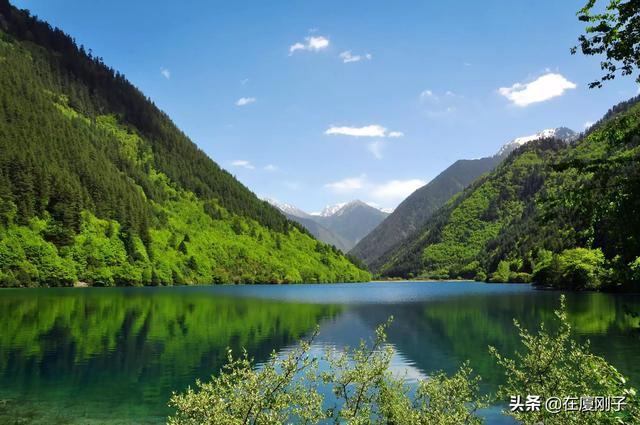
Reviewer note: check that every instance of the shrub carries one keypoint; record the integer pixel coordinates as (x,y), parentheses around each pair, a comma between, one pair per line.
(577,268)
(581,267)
(554,365)
(366,392)
(502,273)
(285,390)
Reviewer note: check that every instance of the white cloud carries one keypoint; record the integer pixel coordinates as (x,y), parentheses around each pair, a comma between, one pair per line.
(373,130)
(165,73)
(543,88)
(348,57)
(244,101)
(296,46)
(433,97)
(395,190)
(243,164)
(311,44)
(244,81)
(588,124)
(390,191)
(270,167)
(376,148)
(350,184)
(428,94)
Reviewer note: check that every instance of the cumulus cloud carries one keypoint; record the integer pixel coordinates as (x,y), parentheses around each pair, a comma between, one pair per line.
(242,164)
(311,44)
(244,101)
(165,73)
(348,57)
(373,130)
(350,184)
(543,88)
(588,124)
(395,190)
(387,193)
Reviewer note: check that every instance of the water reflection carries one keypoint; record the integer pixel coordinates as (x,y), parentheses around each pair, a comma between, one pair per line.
(115,355)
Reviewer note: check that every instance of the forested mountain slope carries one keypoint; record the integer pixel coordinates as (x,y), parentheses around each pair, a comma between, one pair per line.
(413,212)
(98,185)
(320,232)
(555,214)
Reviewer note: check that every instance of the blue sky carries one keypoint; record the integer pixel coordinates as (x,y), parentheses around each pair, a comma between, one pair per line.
(314,103)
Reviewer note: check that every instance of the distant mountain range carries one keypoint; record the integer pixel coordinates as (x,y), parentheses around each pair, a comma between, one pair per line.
(342,225)
(412,214)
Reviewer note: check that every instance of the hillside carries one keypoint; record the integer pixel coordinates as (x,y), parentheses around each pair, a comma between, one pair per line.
(320,232)
(98,185)
(412,214)
(414,211)
(553,213)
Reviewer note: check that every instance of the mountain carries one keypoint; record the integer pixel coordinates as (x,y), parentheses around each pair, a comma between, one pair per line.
(98,185)
(412,214)
(310,223)
(560,133)
(288,209)
(351,221)
(557,213)
(330,210)
(341,225)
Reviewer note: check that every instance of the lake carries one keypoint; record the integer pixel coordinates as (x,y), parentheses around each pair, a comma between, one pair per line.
(114,355)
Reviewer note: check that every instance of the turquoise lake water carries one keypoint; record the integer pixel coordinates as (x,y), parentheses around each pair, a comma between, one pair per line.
(114,355)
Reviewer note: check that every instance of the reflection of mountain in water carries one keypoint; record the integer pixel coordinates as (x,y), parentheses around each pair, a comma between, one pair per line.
(131,349)
(117,354)
(443,333)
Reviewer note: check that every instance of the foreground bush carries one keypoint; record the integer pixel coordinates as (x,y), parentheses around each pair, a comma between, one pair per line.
(287,389)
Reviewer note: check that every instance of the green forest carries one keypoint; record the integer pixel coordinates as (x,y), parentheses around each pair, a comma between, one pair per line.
(555,214)
(98,186)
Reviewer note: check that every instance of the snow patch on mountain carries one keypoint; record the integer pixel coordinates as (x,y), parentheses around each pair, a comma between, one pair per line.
(287,208)
(562,133)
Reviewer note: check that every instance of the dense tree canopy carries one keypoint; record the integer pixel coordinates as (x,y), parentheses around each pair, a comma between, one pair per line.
(612,31)
(98,185)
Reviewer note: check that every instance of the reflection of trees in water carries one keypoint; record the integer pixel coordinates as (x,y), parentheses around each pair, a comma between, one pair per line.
(132,348)
(442,333)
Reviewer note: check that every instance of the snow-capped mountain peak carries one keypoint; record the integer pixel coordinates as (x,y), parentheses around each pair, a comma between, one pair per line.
(562,133)
(330,210)
(287,208)
(342,207)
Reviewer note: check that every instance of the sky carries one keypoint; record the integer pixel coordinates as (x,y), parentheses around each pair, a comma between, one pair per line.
(316,103)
